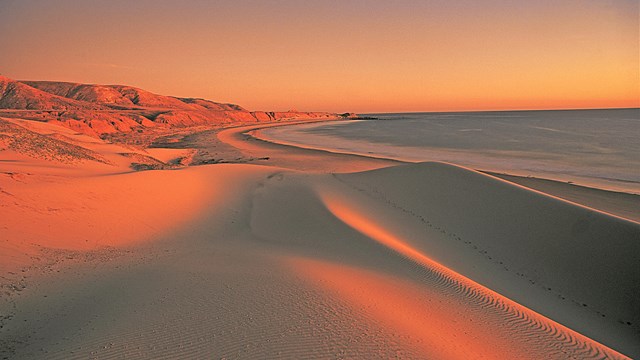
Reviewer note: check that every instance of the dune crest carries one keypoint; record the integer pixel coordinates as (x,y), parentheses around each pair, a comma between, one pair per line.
(539,336)
(292,252)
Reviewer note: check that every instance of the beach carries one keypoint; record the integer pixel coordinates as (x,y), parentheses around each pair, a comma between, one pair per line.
(442,180)
(242,246)
(594,148)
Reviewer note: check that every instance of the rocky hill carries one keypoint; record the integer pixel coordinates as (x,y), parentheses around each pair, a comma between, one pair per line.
(19,96)
(106,109)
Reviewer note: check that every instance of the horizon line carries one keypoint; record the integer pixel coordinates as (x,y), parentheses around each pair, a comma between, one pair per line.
(498,110)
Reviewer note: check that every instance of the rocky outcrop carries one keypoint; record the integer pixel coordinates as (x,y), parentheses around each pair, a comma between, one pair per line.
(115,96)
(210,105)
(127,97)
(106,109)
(19,96)
(264,116)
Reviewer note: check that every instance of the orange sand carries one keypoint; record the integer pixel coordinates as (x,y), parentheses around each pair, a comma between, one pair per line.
(262,261)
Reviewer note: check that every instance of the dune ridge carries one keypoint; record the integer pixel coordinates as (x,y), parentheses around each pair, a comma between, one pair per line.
(555,246)
(522,323)
(626,204)
(303,254)
(467,253)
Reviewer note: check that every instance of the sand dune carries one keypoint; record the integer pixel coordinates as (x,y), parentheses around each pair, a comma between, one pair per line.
(556,246)
(519,254)
(618,200)
(425,260)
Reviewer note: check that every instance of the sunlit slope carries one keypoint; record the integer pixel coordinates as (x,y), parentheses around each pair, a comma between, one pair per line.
(517,264)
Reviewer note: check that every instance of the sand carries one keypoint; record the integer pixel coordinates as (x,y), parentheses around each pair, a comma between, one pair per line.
(296,253)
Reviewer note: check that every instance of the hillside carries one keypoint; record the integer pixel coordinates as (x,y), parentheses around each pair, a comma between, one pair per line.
(19,96)
(98,110)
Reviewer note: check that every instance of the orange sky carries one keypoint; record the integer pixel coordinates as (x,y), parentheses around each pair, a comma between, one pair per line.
(364,56)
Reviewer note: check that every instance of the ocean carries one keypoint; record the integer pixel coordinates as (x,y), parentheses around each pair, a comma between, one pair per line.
(599,148)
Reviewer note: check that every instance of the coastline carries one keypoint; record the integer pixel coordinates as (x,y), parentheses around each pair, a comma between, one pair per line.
(491,161)
(617,203)
(268,250)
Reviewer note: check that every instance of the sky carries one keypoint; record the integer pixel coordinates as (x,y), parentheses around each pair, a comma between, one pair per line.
(337,55)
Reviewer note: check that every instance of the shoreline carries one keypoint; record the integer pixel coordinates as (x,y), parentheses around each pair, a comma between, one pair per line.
(298,140)
(291,252)
(625,205)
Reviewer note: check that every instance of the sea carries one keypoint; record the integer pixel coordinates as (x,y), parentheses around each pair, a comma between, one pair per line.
(597,148)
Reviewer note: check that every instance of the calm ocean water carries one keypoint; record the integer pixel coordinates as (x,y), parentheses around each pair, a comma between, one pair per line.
(593,147)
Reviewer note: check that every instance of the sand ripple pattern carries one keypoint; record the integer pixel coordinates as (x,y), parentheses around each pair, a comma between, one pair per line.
(247,316)
(544,337)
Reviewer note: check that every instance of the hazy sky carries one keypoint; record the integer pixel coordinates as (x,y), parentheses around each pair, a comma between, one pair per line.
(342,55)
